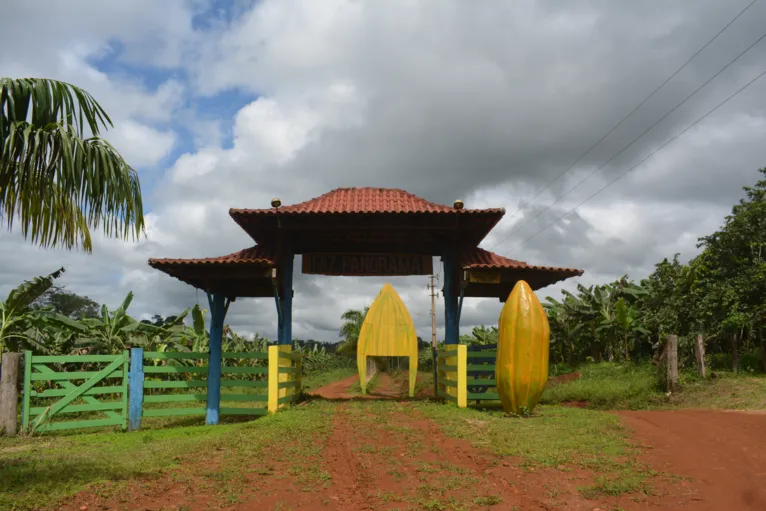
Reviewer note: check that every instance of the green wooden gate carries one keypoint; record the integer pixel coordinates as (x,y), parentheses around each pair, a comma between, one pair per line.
(50,391)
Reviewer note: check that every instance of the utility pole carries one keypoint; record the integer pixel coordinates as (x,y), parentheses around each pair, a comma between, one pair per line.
(434,293)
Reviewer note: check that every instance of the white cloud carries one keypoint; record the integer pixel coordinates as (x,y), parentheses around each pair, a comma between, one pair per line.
(448,100)
(140,144)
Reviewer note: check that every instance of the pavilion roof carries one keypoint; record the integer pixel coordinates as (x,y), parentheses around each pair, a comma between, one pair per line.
(505,273)
(246,273)
(366,200)
(368,220)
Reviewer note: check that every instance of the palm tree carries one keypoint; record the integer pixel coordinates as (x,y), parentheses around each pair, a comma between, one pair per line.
(58,178)
(352,327)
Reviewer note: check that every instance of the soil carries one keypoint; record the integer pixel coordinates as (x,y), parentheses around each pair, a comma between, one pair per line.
(385,388)
(397,459)
(724,453)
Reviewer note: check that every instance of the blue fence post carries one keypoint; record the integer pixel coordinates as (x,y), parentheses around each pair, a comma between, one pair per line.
(218,307)
(136,388)
(451,320)
(285,333)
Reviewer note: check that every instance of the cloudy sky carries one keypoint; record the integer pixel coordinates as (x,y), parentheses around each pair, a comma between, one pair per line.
(229,103)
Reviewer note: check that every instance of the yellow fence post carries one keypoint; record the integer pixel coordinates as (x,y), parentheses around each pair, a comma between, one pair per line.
(450,374)
(462,376)
(273,378)
(284,378)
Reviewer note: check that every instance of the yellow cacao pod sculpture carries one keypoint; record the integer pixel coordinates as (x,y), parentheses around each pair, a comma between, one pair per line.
(521,369)
(387,331)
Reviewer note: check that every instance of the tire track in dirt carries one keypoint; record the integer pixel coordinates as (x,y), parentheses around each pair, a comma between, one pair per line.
(390,457)
(351,480)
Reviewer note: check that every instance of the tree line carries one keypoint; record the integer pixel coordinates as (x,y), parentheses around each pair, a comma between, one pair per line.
(720,294)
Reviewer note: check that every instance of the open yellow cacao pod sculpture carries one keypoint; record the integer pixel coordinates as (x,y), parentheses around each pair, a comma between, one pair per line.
(521,370)
(387,331)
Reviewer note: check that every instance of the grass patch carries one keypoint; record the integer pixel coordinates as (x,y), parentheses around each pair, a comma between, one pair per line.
(616,486)
(726,391)
(39,471)
(610,386)
(320,379)
(552,437)
(489,500)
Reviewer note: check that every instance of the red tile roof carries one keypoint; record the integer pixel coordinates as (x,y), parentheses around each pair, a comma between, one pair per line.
(254,255)
(479,258)
(365,200)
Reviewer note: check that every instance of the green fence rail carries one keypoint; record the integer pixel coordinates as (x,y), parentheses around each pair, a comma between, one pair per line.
(175,384)
(466,374)
(480,381)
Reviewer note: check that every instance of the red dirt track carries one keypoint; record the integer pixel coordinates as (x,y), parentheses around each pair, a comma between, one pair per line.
(724,452)
(395,458)
(384,389)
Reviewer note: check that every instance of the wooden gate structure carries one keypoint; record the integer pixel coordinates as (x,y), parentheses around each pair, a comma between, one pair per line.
(102,391)
(356,232)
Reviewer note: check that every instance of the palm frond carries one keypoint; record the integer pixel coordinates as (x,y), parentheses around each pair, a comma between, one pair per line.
(44,156)
(41,101)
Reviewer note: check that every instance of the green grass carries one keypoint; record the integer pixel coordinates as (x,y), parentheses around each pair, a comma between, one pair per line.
(320,379)
(553,436)
(557,437)
(37,472)
(610,386)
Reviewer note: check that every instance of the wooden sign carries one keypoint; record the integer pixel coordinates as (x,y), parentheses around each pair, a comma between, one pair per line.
(367,264)
(484,277)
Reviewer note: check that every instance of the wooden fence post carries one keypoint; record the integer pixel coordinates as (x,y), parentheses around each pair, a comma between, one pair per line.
(462,376)
(672,359)
(9,393)
(136,388)
(699,353)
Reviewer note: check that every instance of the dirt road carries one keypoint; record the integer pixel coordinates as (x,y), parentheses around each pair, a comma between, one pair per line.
(377,453)
(385,388)
(724,452)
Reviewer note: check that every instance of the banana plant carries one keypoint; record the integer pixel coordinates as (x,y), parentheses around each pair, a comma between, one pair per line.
(17,319)
(480,335)
(115,331)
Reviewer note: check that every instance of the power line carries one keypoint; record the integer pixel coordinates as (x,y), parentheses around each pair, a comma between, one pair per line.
(583,155)
(748,84)
(589,175)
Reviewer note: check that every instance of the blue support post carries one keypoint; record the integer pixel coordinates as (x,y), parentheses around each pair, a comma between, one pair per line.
(285,333)
(218,307)
(135,388)
(451,320)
